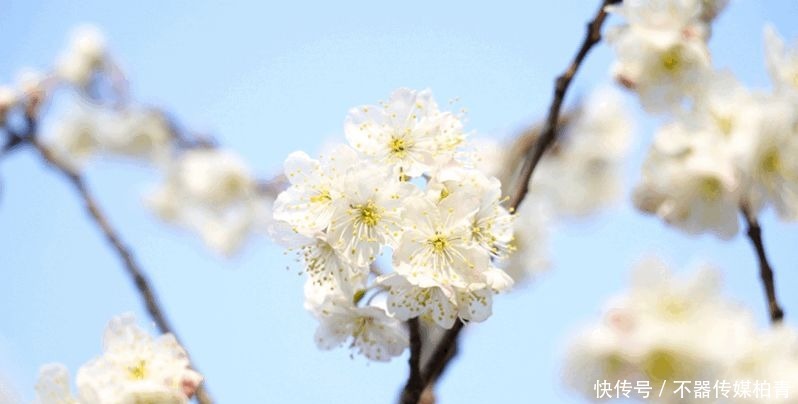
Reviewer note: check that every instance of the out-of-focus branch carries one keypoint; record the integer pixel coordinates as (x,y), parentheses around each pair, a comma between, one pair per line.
(765,270)
(273,186)
(548,134)
(112,236)
(563,82)
(520,146)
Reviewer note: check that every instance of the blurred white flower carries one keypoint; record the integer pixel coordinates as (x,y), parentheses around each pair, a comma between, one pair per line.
(87,131)
(782,62)
(583,173)
(212,192)
(690,181)
(30,81)
(8,98)
(134,368)
(136,133)
(772,358)
(767,157)
(487,155)
(663,329)
(74,138)
(84,55)
(530,257)
(53,385)
(661,51)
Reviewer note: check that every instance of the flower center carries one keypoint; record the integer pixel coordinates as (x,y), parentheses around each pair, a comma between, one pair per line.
(398,146)
(674,307)
(711,188)
(439,243)
(724,123)
(368,214)
(771,162)
(671,60)
(138,371)
(661,365)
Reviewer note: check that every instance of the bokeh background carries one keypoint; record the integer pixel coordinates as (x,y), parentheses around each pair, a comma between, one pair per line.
(268,78)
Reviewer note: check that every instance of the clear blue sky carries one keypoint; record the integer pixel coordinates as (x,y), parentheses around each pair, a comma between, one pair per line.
(268,78)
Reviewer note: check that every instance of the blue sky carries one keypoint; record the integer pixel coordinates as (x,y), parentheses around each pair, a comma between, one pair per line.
(268,78)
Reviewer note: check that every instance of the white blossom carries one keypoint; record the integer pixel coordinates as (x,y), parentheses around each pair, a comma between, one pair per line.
(407,132)
(661,51)
(74,138)
(438,242)
(583,173)
(530,239)
(444,230)
(136,133)
(134,367)
(328,268)
(767,157)
(308,204)
(491,225)
(487,155)
(374,333)
(87,131)
(212,192)
(663,329)
(782,62)
(690,181)
(53,386)
(85,54)
(368,216)
(771,357)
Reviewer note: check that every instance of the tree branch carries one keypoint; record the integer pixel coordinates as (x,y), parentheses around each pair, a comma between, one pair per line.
(415,384)
(112,236)
(549,132)
(447,345)
(765,270)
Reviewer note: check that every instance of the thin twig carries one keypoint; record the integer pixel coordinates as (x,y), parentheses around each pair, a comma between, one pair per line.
(112,236)
(442,353)
(549,132)
(765,270)
(415,384)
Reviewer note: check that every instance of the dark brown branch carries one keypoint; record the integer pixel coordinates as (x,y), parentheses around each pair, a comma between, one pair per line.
(447,345)
(415,383)
(443,353)
(112,236)
(765,270)
(549,132)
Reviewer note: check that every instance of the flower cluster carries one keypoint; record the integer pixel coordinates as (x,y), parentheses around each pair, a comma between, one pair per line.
(667,329)
(206,189)
(134,368)
(397,186)
(725,147)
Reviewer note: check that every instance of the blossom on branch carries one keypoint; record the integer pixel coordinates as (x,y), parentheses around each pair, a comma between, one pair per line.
(134,368)
(402,188)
